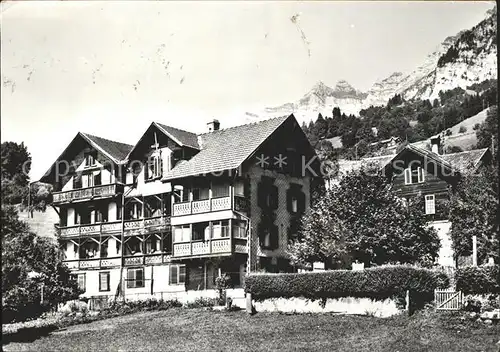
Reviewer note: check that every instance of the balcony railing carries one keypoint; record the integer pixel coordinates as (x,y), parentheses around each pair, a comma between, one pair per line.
(208,205)
(88,193)
(113,262)
(131,227)
(210,247)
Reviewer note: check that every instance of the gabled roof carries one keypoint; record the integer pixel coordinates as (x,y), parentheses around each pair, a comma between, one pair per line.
(181,137)
(354,165)
(226,149)
(116,151)
(463,162)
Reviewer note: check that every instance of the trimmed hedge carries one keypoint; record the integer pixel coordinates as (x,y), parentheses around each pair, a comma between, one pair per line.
(478,280)
(376,283)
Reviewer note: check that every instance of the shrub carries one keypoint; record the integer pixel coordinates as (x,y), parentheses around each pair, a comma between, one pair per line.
(376,283)
(462,129)
(478,280)
(472,305)
(202,302)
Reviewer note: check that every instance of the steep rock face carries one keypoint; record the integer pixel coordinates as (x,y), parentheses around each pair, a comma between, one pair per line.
(471,59)
(459,61)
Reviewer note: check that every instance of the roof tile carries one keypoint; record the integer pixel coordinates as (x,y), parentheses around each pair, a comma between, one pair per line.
(117,150)
(226,149)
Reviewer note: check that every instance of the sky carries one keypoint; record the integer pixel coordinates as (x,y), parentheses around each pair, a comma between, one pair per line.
(110,68)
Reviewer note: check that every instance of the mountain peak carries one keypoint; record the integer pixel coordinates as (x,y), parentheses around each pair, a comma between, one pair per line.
(344,87)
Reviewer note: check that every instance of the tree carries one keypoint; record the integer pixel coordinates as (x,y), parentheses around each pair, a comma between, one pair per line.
(474,212)
(23,252)
(362,219)
(488,130)
(15,168)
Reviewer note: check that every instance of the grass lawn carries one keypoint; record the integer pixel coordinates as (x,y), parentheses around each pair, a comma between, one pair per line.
(201,330)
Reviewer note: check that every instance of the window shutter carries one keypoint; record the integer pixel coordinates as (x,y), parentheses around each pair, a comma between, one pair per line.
(160,165)
(182,274)
(301,202)
(262,234)
(421,175)
(139,278)
(407,176)
(273,197)
(97,178)
(289,196)
(274,237)
(261,195)
(146,169)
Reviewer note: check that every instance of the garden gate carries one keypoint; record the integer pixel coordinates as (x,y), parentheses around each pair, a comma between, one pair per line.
(448,299)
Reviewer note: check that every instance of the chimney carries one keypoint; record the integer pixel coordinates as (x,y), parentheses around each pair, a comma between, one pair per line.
(435,144)
(213,125)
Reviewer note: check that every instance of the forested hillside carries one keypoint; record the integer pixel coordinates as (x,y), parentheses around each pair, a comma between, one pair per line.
(412,120)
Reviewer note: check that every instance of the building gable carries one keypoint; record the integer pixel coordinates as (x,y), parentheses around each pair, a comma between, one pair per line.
(72,160)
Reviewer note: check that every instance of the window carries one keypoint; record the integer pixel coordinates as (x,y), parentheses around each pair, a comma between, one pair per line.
(177,275)
(185,194)
(269,237)
(414,175)
(153,169)
(104,281)
(97,178)
(267,240)
(90,159)
(87,180)
(200,231)
(295,199)
(430,204)
(239,229)
(133,246)
(220,229)
(77,181)
(104,249)
(81,281)
(152,244)
(294,204)
(135,278)
(182,233)
(267,196)
(239,188)
(220,190)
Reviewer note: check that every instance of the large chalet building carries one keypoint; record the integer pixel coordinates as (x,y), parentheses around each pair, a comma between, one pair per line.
(429,175)
(177,209)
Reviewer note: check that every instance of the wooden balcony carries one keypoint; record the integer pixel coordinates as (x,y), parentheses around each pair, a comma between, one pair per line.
(88,193)
(212,247)
(115,262)
(210,205)
(131,227)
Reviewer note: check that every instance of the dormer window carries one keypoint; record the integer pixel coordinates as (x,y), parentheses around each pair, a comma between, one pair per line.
(414,175)
(90,159)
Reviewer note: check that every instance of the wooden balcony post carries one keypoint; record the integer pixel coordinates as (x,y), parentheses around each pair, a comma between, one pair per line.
(230,235)
(231,200)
